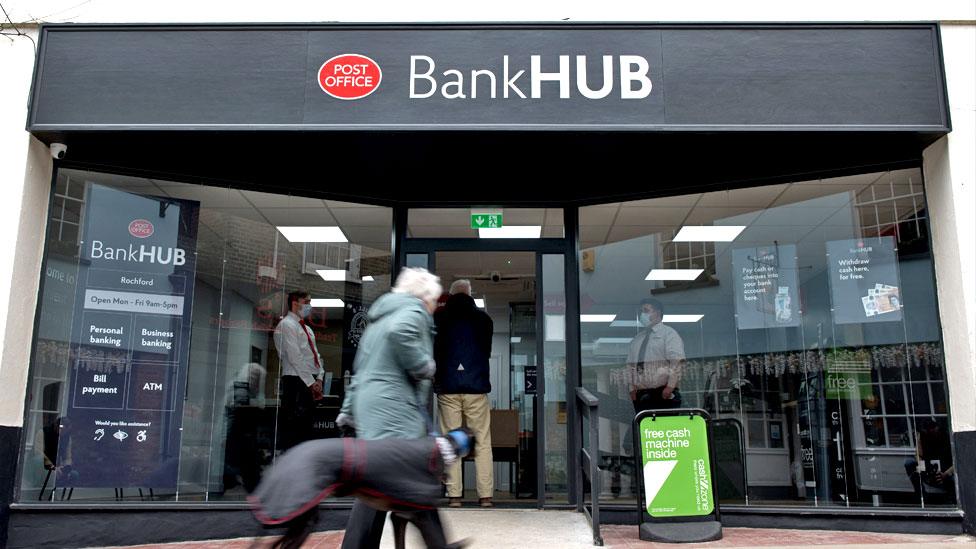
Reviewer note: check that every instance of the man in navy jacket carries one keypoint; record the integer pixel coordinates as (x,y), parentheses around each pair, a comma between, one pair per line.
(463,380)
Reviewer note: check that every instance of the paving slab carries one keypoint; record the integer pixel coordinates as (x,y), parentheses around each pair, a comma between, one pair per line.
(533,529)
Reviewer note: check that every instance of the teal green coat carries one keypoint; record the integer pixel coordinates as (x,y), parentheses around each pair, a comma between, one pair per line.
(387,397)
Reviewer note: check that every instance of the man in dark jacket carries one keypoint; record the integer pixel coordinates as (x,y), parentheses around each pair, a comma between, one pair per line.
(461,350)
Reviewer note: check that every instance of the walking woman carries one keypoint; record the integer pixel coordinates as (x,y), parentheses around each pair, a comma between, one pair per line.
(391,384)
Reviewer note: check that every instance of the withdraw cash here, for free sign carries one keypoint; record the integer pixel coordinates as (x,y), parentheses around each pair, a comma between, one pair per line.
(676,466)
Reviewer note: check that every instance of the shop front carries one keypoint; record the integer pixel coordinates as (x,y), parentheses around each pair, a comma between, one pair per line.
(760,187)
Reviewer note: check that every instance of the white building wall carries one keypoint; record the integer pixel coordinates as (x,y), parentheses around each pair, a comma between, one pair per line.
(25,179)
(25,166)
(950,178)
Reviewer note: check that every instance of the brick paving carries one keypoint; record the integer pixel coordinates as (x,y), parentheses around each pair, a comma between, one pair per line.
(501,528)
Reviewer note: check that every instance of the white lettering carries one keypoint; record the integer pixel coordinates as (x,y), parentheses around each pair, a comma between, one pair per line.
(474,82)
(427,75)
(538,77)
(582,85)
(110,331)
(156,333)
(157,343)
(142,254)
(99,390)
(510,82)
(634,78)
(146,255)
(629,76)
(457,83)
(136,281)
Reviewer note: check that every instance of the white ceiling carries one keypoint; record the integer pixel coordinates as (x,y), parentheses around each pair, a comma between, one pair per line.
(608,223)
(451,266)
(367,226)
(370,226)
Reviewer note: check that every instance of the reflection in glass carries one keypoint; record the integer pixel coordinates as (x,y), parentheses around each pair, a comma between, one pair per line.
(243,268)
(818,334)
(554,307)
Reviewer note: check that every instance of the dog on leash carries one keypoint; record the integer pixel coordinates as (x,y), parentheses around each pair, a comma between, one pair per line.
(404,476)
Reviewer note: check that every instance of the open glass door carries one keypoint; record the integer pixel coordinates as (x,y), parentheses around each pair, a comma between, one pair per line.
(504,285)
(520,282)
(523,292)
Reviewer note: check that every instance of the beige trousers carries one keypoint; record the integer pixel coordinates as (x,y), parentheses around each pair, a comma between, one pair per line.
(476,414)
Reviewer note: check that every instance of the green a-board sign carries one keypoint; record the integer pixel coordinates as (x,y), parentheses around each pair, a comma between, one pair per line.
(676,466)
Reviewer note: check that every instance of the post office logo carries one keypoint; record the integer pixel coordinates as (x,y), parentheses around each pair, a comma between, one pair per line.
(141,228)
(350,76)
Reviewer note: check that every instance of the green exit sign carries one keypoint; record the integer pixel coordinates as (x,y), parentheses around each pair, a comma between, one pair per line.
(486,221)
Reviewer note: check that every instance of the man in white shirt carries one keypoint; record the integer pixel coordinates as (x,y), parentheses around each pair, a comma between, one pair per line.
(301,372)
(655,360)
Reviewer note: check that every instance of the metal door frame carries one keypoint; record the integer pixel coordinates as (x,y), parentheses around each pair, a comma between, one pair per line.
(402,245)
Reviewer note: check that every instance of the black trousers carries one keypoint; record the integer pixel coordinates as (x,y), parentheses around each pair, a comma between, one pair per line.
(365,527)
(295,418)
(652,399)
(242,457)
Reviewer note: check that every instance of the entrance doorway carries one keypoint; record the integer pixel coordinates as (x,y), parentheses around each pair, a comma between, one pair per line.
(504,286)
(523,291)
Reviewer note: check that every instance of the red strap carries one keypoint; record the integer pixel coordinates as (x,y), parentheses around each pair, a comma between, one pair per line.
(315,354)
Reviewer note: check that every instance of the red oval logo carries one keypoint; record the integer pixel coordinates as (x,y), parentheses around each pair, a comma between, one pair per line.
(350,76)
(141,228)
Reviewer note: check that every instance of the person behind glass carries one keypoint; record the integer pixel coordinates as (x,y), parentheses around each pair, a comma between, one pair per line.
(301,372)
(932,464)
(462,349)
(655,361)
(244,404)
(390,388)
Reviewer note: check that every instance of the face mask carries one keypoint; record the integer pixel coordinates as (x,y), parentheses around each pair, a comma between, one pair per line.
(306,310)
(644,319)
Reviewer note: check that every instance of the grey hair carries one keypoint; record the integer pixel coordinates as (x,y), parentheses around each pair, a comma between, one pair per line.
(461,286)
(419,283)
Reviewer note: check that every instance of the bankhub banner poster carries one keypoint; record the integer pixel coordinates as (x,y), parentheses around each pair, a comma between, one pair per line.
(130,341)
(765,287)
(864,283)
(677,468)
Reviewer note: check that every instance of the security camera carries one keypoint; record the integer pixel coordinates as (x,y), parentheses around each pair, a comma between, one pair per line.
(58,150)
(495,276)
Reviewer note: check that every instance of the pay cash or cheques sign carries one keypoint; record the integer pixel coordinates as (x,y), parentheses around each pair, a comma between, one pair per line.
(676,466)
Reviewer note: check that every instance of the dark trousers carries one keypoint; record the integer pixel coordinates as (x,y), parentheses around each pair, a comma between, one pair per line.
(429,524)
(365,527)
(652,399)
(294,413)
(242,457)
